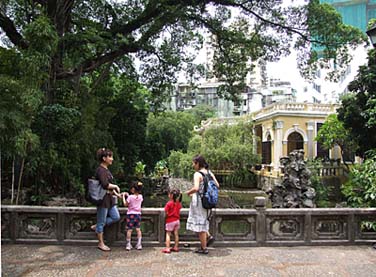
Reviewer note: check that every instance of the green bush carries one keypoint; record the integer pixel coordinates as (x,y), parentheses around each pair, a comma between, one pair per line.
(360,190)
(322,190)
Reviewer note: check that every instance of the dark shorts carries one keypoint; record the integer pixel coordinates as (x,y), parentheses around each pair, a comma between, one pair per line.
(133,221)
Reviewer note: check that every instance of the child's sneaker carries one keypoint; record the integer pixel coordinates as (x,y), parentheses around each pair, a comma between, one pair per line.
(174,249)
(128,246)
(139,245)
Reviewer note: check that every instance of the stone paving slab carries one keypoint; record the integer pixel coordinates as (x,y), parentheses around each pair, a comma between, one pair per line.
(56,260)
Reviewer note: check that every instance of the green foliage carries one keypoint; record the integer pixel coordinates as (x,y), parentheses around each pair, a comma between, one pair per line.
(229,146)
(201,113)
(41,36)
(330,38)
(332,133)
(358,109)
(139,169)
(180,164)
(241,178)
(129,101)
(360,190)
(69,84)
(322,191)
(167,132)
(160,168)
(224,147)
(165,35)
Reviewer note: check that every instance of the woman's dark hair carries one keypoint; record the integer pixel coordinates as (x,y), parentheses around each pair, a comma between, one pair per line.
(137,185)
(176,195)
(103,152)
(201,161)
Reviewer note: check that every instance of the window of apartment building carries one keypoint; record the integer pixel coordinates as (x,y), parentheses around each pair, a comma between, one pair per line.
(321,152)
(294,142)
(317,87)
(318,73)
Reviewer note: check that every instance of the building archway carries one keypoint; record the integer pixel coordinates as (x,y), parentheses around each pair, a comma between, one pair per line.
(294,141)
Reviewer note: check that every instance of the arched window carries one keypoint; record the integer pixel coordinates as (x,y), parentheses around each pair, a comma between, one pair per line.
(267,151)
(294,141)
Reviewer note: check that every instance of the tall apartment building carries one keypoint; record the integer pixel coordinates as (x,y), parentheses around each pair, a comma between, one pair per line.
(254,97)
(356,13)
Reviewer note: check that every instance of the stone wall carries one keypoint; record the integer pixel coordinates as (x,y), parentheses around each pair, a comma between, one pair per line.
(231,227)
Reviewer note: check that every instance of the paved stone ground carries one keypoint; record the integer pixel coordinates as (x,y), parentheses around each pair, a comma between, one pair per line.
(53,260)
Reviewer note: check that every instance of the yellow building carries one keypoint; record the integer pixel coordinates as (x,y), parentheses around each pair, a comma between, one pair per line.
(283,127)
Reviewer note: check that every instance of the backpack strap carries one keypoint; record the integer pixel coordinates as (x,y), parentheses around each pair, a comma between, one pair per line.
(209,212)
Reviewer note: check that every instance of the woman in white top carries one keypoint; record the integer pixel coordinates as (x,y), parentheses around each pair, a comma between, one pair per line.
(198,216)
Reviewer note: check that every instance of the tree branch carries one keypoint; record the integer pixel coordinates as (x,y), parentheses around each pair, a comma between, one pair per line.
(10,30)
(91,64)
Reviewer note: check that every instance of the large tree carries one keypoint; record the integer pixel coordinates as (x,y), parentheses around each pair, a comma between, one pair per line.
(60,59)
(94,33)
(358,108)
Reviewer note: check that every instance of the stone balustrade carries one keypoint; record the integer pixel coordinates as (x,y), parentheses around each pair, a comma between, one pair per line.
(293,107)
(231,227)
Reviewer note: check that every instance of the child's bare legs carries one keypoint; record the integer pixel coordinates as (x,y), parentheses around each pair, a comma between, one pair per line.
(168,239)
(176,235)
(129,245)
(139,237)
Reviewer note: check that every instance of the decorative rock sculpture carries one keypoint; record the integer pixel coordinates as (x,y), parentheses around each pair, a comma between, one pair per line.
(295,190)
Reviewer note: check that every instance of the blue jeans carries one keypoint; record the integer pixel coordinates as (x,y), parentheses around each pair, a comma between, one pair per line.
(106,217)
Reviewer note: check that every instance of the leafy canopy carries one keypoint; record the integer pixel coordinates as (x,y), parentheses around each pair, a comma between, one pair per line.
(358,108)
(81,36)
(224,147)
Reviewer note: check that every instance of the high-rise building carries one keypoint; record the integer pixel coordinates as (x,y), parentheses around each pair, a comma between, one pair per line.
(356,13)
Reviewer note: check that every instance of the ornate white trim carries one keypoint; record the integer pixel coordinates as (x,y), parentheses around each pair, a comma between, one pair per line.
(265,135)
(295,129)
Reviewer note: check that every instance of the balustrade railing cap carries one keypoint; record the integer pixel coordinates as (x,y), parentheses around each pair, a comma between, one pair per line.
(260,201)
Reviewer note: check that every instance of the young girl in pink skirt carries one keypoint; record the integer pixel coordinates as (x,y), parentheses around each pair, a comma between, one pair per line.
(172,211)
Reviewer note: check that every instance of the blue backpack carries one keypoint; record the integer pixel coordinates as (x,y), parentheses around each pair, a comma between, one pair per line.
(209,194)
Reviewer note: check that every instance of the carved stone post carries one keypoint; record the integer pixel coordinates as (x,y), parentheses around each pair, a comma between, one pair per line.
(260,206)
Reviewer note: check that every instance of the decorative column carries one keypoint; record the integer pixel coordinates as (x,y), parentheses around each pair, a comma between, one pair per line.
(311,137)
(278,147)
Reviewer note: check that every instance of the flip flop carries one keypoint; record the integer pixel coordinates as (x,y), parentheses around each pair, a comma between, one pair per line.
(166,251)
(173,249)
(104,248)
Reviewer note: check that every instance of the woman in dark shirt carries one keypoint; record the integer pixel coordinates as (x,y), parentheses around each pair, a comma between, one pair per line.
(107,212)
